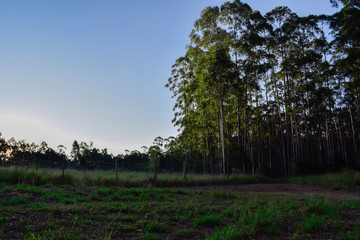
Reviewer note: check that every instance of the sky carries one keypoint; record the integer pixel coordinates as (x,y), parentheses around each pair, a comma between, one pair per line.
(91,70)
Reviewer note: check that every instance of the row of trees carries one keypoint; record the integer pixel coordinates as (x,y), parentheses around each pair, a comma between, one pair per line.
(84,156)
(270,94)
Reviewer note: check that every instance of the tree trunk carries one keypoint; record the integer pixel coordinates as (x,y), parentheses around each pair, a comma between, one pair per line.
(185,158)
(116,170)
(222,135)
(63,167)
(353,132)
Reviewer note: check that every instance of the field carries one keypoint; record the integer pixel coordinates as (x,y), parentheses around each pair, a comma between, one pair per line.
(49,211)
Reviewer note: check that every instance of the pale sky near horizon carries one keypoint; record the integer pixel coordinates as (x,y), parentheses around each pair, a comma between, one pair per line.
(95,70)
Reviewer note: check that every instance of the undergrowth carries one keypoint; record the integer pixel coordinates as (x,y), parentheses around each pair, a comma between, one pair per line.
(75,178)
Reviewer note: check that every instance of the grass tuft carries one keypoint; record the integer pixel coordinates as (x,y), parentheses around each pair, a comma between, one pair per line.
(313,223)
(209,221)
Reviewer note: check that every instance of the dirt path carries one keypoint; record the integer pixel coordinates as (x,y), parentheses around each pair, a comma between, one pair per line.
(292,189)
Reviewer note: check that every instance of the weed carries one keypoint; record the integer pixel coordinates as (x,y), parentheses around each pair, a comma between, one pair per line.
(150,236)
(264,219)
(209,221)
(223,195)
(103,191)
(38,206)
(155,226)
(89,205)
(62,196)
(27,188)
(320,206)
(15,200)
(350,204)
(184,233)
(313,223)
(95,216)
(227,233)
(228,213)
(81,199)
(354,234)
(3,219)
(123,227)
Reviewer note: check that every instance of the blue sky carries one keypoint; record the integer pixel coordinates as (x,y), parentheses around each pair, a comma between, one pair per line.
(95,70)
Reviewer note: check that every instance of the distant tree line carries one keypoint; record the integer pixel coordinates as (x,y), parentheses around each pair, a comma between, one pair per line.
(84,156)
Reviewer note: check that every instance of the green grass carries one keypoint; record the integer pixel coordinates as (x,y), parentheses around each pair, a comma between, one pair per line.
(209,221)
(343,180)
(53,212)
(74,178)
(16,200)
(354,233)
(313,223)
(37,204)
(227,233)
(28,178)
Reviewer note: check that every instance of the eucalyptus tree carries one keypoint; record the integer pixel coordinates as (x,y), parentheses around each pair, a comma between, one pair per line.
(61,152)
(268,82)
(235,16)
(3,150)
(75,153)
(178,83)
(346,31)
(284,24)
(219,72)
(154,152)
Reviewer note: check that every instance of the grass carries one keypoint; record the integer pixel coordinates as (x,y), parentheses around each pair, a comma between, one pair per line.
(75,178)
(313,223)
(209,221)
(342,180)
(354,233)
(31,177)
(227,233)
(53,212)
(38,204)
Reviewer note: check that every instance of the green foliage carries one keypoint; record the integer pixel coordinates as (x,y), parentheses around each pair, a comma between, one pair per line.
(184,233)
(38,206)
(209,221)
(263,219)
(3,220)
(320,206)
(149,236)
(62,196)
(354,234)
(15,200)
(104,191)
(227,233)
(155,226)
(313,223)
